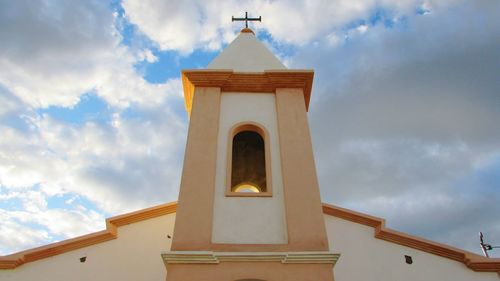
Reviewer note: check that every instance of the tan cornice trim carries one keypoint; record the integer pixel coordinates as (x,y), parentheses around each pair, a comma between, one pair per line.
(111,232)
(208,257)
(471,260)
(230,81)
(144,214)
(312,257)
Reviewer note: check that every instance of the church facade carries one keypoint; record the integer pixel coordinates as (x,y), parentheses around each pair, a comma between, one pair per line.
(249,206)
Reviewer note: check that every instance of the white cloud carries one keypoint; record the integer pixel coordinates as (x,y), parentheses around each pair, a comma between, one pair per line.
(72,49)
(124,165)
(362,28)
(148,56)
(299,22)
(33,223)
(16,236)
(183,25)
(189,25)
(105,163)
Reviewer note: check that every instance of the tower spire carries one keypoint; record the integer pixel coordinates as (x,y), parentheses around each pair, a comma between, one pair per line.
(246,19)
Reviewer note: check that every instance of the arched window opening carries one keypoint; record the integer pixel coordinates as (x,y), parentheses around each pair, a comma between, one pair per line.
(248,163)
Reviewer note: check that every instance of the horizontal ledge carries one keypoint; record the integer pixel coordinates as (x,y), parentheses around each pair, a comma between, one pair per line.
(249,82)
(208,257)
(248,194)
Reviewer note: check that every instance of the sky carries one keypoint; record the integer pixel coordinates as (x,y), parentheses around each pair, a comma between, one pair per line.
(404,114)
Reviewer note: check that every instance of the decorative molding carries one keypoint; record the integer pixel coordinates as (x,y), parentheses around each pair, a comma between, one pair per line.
(207,257)
(189,257)
(471,260)
(312,257)
(144,214)
(230,81)
(250,256)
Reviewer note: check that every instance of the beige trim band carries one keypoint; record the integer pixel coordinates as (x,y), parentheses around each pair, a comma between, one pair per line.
(208,257)
(230,81)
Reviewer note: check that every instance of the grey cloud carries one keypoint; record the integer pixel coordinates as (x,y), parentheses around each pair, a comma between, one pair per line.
(423,81)
(145,167)
(52,52)
(359,170)
(404,118)
(40,29)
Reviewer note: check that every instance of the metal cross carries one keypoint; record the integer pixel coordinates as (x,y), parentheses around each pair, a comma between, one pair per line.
(246,19)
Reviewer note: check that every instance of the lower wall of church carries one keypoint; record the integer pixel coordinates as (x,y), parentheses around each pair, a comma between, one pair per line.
(364,257)
(266,271)
(134,255)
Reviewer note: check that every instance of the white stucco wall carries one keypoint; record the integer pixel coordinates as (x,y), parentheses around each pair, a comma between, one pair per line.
(364,257)
(134,255)
(248,220)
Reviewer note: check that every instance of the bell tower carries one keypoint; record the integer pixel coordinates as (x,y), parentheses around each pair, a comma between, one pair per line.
(249,204)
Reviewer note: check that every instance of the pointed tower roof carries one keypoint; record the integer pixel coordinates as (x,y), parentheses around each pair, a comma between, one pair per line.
(246,54)
(246,65)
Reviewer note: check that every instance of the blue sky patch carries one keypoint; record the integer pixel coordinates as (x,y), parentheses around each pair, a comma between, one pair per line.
(170,64)
(90,108)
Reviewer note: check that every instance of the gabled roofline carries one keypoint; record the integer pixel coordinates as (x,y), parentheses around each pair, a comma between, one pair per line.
(110,233)
(471,260)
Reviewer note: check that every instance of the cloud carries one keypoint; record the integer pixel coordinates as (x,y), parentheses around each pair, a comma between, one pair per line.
(128,163)
(53,52)
(33,223)
(189,25)
(403,115)
(110,164)
(182,26)
(16,236)
(364,169)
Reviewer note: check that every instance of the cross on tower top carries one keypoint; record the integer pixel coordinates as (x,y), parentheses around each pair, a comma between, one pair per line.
(246,19)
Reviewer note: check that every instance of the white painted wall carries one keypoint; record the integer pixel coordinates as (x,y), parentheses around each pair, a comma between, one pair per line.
(135,255)
(248,220)
(364,257)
